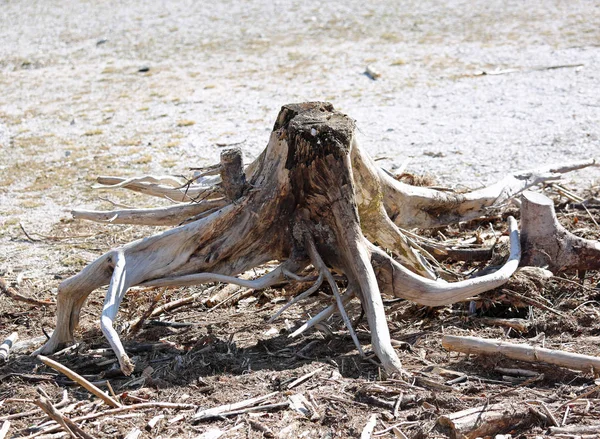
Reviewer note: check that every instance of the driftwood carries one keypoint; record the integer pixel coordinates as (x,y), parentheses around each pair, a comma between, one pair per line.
(522,352)
(313,197)
(487,420)
(547,243)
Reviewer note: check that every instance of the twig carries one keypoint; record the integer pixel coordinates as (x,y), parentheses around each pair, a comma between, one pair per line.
(68,425)
(533,302)
(299,297)
(79,380)
(136,325)
(53,238)
(217,411)
(257,408)
(14,295)
(546,411)
(583,395)
(304,378)
(122,409)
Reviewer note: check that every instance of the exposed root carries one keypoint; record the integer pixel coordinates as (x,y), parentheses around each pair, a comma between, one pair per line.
(318,263)
(299,297)
(325,314)
(396,280)
(412,206)
(546,243)
(160,216)
(154,186)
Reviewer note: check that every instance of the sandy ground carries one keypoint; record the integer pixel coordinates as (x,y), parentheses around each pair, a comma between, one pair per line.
(99,88)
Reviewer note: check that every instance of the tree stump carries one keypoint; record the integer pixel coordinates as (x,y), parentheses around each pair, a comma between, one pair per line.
(311,198)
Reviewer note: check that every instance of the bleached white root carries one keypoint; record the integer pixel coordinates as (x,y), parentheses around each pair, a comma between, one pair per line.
(299,297)
(400,282)
(323,315)
(175,190)
(420,207)
(160,216)
(318,263)
(116,291)
(275,276)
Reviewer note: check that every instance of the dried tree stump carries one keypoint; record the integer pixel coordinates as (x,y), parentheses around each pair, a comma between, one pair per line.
(313,197)
(546,243)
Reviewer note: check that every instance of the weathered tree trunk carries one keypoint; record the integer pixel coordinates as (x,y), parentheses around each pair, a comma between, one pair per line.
(311,198)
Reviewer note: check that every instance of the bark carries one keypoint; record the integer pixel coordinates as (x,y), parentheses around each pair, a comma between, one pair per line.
(312,197)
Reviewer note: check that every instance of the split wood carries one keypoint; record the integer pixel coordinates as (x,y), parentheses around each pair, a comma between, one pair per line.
(522,352)
(313,195)
(79,380)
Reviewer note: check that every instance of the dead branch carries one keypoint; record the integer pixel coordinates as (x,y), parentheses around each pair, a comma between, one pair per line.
(217,411)
(79,380)
(522,352)
(12,293)
(68,425)
(487,420)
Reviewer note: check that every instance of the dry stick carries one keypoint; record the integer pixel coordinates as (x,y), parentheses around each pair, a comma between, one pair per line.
(547,411)
(64,401)
(79,380)
(533,302)
(583,395)
(7,345)
(523,352)
(122,409)
(68,425)
(304,377)
(325,314)
(135,327)
(217,411)
(14,295)
(299,297)
(320,265)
